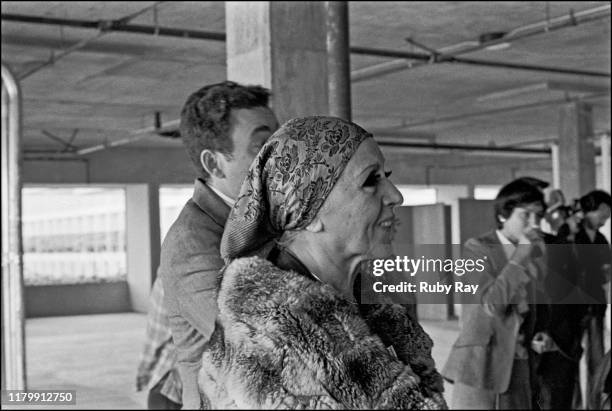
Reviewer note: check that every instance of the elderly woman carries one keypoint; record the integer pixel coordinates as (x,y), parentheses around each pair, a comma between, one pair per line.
(291,334)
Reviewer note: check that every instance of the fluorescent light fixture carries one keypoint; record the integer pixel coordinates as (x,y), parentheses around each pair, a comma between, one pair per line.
(498,46)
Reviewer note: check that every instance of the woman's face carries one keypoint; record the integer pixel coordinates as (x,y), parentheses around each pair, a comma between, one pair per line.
(524,220)
(358,215)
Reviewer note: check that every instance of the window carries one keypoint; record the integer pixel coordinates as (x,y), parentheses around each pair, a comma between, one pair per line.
(418,195)
(69,239)
(486,192)
(172,199)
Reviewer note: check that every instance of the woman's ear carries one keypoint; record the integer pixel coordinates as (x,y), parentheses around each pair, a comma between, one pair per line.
(208,160)
(501,218)
(315,226)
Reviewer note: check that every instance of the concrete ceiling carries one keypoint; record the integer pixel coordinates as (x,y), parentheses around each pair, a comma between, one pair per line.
(110,88)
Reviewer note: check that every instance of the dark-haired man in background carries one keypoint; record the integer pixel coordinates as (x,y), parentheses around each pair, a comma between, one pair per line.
(594,263)
(223,126)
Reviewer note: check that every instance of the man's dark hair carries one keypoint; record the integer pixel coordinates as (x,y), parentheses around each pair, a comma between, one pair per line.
(515,194)
(541,184)
(592,200)
(205,118)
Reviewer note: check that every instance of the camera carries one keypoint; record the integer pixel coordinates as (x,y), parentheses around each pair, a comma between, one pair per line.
(563,218)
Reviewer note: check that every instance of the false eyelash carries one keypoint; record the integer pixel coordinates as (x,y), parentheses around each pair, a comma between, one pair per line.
(374,178)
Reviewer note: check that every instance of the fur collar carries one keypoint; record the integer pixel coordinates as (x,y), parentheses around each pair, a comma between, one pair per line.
(252,286)
(288,341)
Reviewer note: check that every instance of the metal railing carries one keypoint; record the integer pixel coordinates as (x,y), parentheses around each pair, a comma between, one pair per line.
(13,315)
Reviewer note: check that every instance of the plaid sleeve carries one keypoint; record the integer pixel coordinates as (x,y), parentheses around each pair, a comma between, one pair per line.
(157,357)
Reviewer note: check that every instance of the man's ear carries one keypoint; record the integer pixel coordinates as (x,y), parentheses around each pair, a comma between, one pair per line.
(208,160)
(315,226)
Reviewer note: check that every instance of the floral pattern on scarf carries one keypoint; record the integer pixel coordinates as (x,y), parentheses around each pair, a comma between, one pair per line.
(289,180)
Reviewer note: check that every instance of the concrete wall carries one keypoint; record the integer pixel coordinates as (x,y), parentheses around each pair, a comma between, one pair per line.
(76,299)
(115,166)
(462,169)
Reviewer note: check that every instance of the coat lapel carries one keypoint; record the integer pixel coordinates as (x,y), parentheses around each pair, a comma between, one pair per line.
(498,256)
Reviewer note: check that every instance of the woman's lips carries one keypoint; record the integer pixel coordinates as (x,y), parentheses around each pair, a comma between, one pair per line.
(389,222)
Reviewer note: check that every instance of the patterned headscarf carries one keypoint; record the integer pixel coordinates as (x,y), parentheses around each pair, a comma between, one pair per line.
(289,180)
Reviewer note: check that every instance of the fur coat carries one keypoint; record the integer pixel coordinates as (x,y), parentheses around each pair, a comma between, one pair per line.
(286,341)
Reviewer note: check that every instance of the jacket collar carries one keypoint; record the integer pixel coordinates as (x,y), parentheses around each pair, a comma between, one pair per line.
(498,256)
(210,203)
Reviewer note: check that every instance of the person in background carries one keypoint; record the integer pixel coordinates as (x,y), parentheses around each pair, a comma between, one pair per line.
(594,259)
(555,370)
(223,126)
(490,363)
(157,369)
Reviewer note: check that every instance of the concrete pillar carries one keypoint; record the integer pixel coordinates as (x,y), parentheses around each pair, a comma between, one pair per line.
(143,245)
(556,165)
(576,150)
(280,45)
(431,225)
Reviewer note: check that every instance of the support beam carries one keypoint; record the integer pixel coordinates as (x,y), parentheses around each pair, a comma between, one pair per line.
(143,241)
(576,149)
(605,162)
(280,45)
(556,165)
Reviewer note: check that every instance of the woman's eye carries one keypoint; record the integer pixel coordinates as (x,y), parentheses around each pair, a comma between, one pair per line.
(372,180)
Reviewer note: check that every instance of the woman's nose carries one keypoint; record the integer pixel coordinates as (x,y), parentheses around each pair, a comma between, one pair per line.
(392,196)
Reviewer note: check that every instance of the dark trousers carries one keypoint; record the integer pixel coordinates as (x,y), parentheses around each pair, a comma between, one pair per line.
(157,401)
(556,380)
(595,348)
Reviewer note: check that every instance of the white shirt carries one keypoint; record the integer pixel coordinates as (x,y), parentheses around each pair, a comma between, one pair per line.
(227,200)
(504,240)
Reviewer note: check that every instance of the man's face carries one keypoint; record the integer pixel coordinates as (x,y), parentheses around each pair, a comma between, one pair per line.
(597,218)
(250,128)
(524,220)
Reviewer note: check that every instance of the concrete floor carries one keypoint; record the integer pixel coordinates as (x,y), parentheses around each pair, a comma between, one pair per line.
(97,355)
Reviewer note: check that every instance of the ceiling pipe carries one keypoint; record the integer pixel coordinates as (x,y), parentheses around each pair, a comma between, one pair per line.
(64,53)
(572,19)
(500,110)
(479,62)
(385,142)
(541,27)
(112,25)
(218,36)
(134,136)
(103,29)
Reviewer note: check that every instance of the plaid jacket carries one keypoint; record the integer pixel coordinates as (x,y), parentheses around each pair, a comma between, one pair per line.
(158,359)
